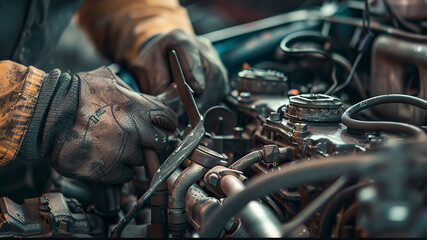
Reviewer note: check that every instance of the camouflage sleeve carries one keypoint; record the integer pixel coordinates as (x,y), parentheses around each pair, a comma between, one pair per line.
(119,27)
(19,91)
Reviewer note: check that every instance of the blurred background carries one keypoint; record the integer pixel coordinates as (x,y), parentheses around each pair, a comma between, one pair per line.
(75,52)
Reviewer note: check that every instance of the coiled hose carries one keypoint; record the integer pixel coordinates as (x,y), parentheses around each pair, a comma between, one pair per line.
(411,130)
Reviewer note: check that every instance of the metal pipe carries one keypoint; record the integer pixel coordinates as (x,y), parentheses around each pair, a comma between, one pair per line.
(256,219)
(177,196)
(159,200)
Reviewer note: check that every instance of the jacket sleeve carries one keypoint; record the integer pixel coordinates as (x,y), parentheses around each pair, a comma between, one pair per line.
(35,110)
(19,91)
(119,27)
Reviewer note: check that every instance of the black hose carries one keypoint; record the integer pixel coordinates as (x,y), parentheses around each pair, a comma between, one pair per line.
(292,175)
(315,205)
(382,125)
(247,160)
(304,35)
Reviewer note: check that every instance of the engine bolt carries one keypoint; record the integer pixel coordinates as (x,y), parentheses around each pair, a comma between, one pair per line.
(275,116)
(63,226)
(44,204)
(213,179)
(238,132)
(301,127)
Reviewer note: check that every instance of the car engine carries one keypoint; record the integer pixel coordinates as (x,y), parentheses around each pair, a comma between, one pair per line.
(323,134)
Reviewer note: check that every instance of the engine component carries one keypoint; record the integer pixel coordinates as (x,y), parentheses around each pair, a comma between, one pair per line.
(313,108)
(399,66)
(49,215)
(261,81)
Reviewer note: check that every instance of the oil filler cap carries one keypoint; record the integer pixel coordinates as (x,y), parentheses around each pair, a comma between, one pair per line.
(313,108)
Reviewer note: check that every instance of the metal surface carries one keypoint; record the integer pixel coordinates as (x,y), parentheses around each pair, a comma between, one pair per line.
(411,9)
(176,206)
(43,217)
(180,153)
(207,157)
(399,66)
(261,81)
(256,219)
(314,108)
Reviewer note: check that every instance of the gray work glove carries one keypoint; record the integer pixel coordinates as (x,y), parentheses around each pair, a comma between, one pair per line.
(200,62)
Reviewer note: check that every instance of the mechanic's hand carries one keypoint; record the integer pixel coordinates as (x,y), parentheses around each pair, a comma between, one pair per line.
(112,126)
(200,62)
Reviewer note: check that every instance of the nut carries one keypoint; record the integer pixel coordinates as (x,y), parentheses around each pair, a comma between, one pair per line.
(271,153)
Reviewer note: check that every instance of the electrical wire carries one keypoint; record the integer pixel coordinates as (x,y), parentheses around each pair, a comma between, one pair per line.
(350,76)
(366,23)
(411,130)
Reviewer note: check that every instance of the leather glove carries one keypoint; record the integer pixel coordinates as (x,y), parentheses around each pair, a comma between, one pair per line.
(200,62)
(112,125)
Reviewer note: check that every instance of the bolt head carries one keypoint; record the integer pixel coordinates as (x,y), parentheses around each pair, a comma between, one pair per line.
(213,179)
(271,153)
(275,116)
(300,127)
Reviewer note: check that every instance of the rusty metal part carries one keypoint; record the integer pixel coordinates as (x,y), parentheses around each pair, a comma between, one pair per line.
(219,120)
(394,62)
(177,218)
(44,216)
(314,108)
(213,176)
(159,200)
(199,206)
(179,154)
(207,157)
(260,81)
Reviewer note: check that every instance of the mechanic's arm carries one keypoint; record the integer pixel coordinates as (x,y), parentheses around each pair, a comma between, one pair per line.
(140,34)
(91,125)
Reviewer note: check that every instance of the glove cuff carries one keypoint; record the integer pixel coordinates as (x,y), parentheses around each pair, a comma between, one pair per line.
(53,115)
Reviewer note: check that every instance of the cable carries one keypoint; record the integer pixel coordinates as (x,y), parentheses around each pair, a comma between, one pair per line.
(312,36)
(315,205)
(366,23)
(411,130)
(302,172)
(347,65)
(379,28)
(303,35)
(350,75)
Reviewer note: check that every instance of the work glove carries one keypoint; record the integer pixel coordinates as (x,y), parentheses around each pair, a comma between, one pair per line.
(111,127)
(200,63)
